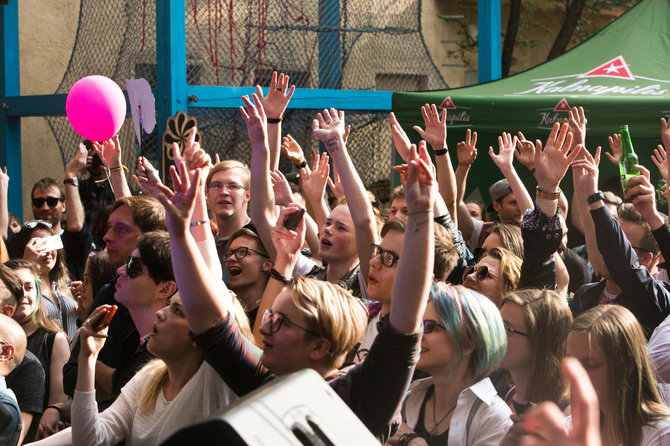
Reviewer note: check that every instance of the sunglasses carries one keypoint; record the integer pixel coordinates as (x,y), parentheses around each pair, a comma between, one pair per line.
(429,325)
(275,321)
(388,258)
(134,267)
(242,252)
(50,201)
(509,329)
(481,273)
(32,224)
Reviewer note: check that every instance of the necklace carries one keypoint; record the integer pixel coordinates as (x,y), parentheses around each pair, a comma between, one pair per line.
(433,430)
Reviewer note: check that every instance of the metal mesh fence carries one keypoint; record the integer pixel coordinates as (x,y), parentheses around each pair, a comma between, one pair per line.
(371,45)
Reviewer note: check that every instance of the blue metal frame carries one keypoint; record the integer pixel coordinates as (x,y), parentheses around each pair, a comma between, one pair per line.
(173,92)
(10,85)
(490,64)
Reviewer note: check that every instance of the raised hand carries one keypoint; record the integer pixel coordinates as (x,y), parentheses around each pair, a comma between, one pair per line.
(546,422)
(256,121)
(525,151)
(660,160)
(505,155)
(586,169)
(577,120)
(194,156)
(328,127)
(421,184)
(34,249)
(436,126)
(179,204)
(466,151)
(552,162)
(77,165)
(287,242)
(644,192)
(147,177)
(278,97)
(336,185)
(292,150)
(90,339)
(109,152)
(314,181)
(615,146)
(400,139)
(281,188)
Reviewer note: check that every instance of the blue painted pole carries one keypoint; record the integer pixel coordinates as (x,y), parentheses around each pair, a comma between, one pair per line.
(330,47)
(10,85)
(489,40)
(171,93)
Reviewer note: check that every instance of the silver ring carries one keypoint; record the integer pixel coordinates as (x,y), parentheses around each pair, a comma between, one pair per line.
(583,121)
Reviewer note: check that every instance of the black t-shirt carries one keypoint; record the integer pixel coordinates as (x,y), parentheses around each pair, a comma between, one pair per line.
(27,383)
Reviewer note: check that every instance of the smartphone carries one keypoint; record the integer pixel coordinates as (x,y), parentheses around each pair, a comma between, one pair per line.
(292,220)
(105,319)
(53,243)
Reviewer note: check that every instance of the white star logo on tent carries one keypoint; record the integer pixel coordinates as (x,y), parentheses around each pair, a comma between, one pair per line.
(616,68)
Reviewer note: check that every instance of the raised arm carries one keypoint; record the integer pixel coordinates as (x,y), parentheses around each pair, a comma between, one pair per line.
(274,104)
(466,152)
(329,128)
(435,134)
(410,291)
(205,298)
(313,183)
(504,160)
(287,244)
(75,210)
(541,229)
(262,203)
(110,154)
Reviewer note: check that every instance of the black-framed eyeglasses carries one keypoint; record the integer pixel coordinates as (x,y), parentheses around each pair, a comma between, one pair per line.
(232,187)
(509,330)
(275,321)
(481,273)
(388,258)
(134,267)
(429,325)
(242,252)
(32,224)
(50,201)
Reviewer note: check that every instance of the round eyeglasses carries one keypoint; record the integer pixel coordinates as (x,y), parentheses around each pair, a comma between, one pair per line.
(275,321)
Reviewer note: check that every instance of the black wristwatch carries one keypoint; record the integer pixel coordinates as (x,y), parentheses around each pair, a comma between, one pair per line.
(595,197)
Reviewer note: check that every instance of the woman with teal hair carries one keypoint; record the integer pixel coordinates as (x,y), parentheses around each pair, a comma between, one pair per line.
(463,342)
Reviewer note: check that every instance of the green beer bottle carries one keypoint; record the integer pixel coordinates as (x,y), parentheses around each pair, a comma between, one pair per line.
(627,160)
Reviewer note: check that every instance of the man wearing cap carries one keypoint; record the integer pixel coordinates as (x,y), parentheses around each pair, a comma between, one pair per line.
(503,203)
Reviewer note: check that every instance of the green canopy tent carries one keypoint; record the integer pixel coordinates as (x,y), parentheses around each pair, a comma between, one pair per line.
(620,76)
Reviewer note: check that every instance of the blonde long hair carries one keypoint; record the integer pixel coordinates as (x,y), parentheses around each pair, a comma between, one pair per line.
(158,371)
(634,394)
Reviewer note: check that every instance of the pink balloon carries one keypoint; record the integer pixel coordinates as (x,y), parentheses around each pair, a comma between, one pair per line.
(96,108)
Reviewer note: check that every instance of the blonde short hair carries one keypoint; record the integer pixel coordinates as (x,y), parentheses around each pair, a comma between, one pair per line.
(331,311)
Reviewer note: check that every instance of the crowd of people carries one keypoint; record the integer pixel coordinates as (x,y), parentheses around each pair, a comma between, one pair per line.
(433,324)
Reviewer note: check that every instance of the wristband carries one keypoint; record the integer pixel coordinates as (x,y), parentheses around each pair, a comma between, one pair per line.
(73,181)
(121,167)
(548,195)
(57,408)
(276,275)
(595,197)
(440,152)
(275,120)
(301,165)
(198,223)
